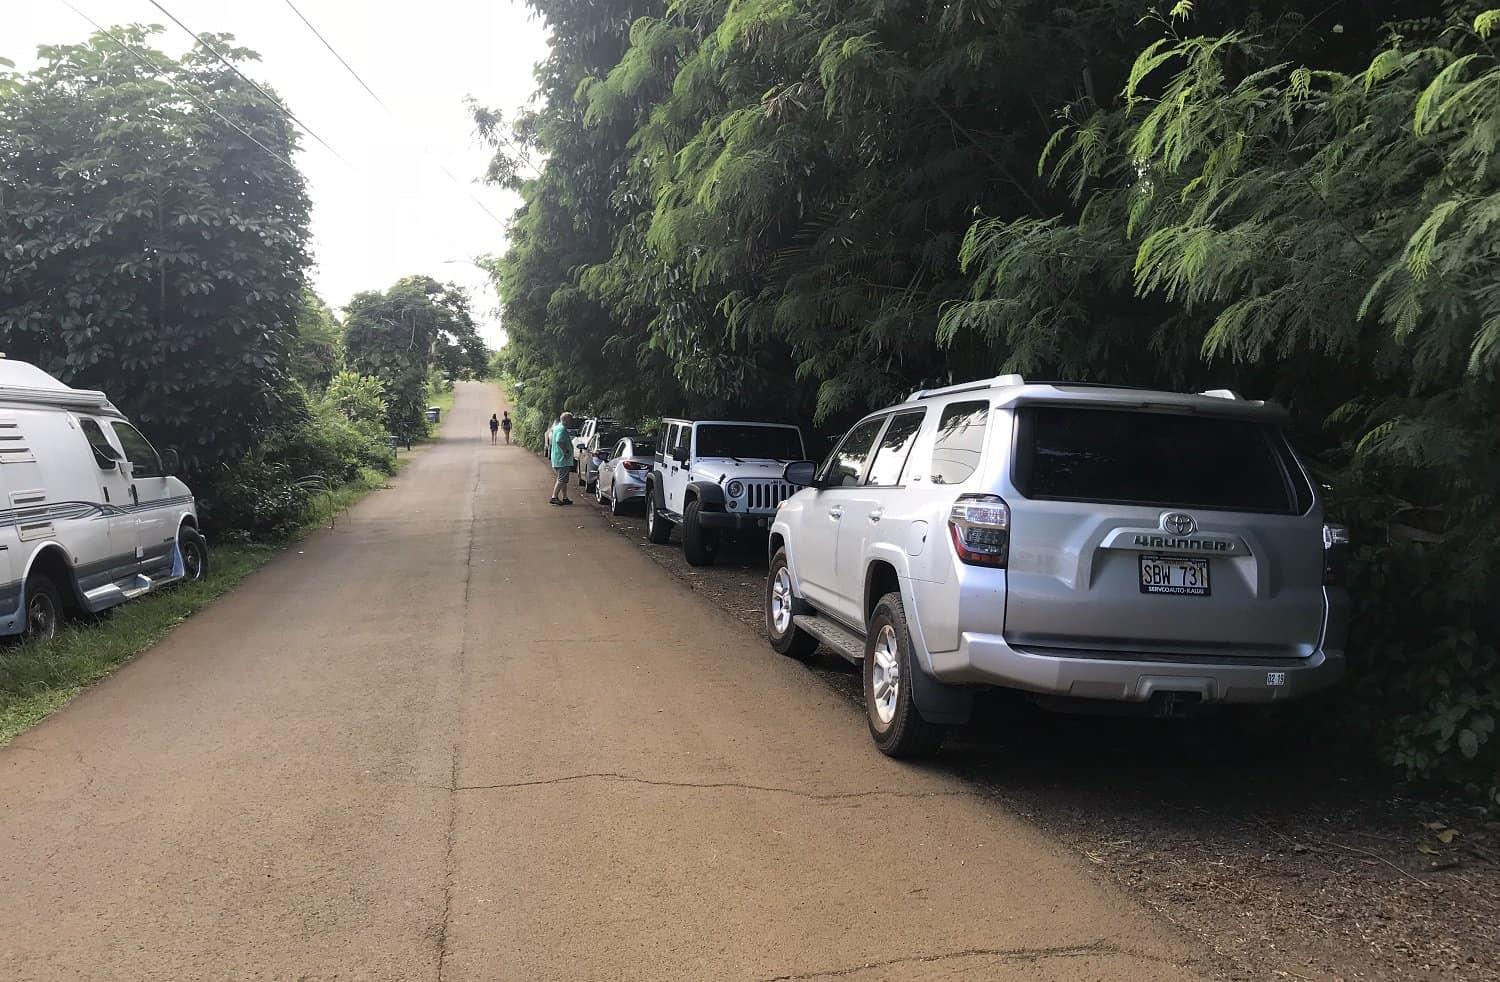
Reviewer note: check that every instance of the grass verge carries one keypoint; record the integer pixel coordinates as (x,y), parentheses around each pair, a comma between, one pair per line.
(38,679)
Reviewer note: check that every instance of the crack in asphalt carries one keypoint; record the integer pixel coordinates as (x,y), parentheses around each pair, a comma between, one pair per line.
(714,785)
(452,787)
(1014,955)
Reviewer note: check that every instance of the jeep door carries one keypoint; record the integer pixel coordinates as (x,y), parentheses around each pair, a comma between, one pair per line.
(817,544)
(677,462)
(1161,532)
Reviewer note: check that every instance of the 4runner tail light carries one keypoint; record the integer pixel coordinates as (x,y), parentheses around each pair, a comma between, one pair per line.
(1335,553)
(980,527)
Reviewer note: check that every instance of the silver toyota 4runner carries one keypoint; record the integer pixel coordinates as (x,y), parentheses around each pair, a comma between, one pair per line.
(1077,542)
(718,478)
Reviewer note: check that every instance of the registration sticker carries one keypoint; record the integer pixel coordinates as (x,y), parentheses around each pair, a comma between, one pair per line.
(1275,678)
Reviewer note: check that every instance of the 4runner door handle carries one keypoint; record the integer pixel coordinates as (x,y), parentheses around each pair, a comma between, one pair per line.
(875,515)
(837,511)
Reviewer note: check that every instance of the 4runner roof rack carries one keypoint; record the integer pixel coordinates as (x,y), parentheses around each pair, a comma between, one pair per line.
(1223,394)
(987,383)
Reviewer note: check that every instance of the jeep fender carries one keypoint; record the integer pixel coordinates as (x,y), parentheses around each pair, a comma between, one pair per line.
(707,493)
(653,488)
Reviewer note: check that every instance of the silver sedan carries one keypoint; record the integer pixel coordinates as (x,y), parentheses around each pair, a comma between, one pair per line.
(622,474)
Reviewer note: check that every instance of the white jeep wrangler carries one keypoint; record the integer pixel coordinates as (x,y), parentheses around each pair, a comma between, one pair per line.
(717,478)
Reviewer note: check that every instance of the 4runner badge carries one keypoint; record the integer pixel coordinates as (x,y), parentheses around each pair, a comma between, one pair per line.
(1177,523)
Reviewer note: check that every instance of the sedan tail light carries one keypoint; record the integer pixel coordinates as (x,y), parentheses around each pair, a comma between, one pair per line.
(1335,553)
(979,525)
(637,465)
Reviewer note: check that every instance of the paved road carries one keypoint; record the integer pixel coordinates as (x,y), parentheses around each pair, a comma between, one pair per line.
(468,735)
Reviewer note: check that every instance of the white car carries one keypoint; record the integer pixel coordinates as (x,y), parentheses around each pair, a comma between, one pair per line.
(94,517)
(621,480)
(591,428)
(1084,544)
(717,478)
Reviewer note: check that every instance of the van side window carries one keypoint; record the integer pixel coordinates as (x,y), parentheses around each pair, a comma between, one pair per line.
(105,454)
(847,465)
(142,456)
(890,456)
(960,441)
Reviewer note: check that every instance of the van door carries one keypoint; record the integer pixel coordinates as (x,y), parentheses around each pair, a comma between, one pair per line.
(113,555)
(10,573)
(151,500)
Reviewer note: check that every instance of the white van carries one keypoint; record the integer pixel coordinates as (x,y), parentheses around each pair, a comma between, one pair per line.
(90,515)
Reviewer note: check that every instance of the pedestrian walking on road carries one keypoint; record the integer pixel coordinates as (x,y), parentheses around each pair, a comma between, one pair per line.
(505,425)
(495,429)
(562,458)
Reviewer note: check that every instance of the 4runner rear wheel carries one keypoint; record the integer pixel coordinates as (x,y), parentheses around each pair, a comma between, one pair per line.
(895,723)
(781,606)
(658,529)
(697,542)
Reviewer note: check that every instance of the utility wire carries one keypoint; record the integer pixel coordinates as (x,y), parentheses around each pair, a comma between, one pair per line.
(381,103)
(254,84)
(158,71)
(334,51)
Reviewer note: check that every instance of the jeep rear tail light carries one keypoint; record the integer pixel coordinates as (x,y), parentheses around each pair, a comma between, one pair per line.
(1335,554)
(979,525)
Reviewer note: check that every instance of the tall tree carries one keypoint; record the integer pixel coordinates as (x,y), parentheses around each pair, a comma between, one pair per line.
(153,247)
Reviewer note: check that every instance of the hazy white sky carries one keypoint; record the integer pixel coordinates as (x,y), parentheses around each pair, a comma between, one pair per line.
(391,210)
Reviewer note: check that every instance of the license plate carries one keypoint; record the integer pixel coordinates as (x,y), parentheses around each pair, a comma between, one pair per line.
(1177,575)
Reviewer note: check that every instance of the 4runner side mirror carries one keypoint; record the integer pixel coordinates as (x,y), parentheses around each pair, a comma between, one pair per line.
(801,473)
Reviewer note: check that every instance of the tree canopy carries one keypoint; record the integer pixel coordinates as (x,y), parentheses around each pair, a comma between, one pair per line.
(153,236)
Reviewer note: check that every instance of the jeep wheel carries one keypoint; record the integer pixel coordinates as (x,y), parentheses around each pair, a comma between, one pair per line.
(658,529)
(895,724)
(698,543)
(781,606)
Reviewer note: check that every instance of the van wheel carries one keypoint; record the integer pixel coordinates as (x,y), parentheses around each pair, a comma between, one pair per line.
(194,549)
(43,609)
(697,543)
(658,529)
(781,606)
(895,724)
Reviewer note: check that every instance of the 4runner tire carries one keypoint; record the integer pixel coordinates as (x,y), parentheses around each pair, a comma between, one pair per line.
(43,609)
(896,726)
(697,542)
(782,604)
(658,529)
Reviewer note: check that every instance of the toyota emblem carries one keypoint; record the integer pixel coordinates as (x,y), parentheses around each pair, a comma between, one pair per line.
(1177,523)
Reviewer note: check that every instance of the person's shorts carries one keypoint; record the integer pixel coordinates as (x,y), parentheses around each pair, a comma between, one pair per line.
(563,473)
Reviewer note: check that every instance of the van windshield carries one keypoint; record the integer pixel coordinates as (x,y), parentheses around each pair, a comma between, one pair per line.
(1156,459)
(743,440)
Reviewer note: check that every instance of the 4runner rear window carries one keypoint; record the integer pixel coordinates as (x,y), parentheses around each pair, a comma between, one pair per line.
(766,442)
(1155,459)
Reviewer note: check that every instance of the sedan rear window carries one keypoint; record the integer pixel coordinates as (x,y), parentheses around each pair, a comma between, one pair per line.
(1156,459)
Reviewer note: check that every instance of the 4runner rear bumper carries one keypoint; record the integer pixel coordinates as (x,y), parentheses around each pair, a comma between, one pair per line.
(990,660)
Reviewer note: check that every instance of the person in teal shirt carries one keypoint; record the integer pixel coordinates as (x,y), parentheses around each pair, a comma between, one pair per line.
(561,442)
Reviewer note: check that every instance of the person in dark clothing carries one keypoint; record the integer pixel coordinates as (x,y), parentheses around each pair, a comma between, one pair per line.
(505,425)
(495,429)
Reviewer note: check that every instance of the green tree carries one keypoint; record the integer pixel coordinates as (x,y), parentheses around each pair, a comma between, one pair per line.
(359,398)
(316,349)
(397,335)
(152,247)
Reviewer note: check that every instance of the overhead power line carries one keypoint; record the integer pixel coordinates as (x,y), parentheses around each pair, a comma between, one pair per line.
(254,84)
(160,72)
(381,103)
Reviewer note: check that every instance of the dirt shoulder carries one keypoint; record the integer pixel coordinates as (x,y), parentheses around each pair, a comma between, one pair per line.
(1283,864)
